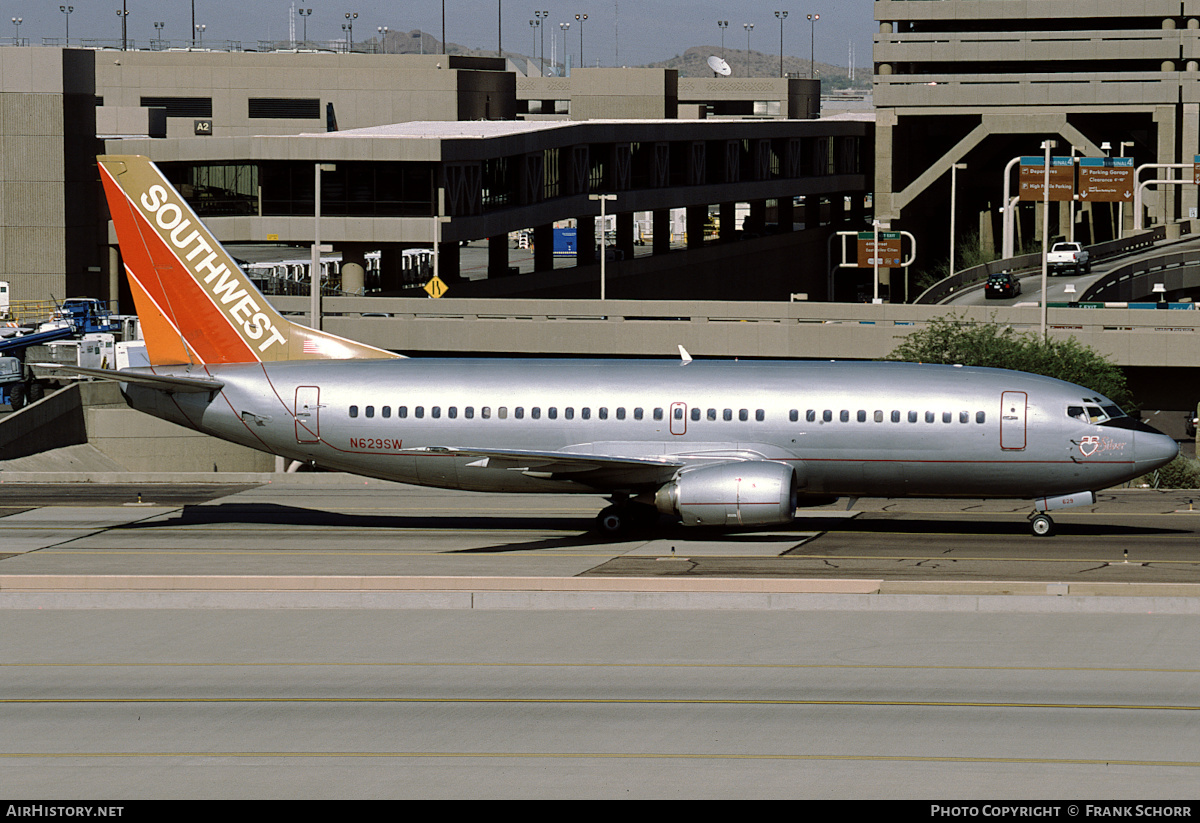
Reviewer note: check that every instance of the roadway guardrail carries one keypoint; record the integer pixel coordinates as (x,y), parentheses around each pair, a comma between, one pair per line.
(947,286)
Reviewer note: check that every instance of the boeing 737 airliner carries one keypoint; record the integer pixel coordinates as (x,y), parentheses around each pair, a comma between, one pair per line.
(710,442)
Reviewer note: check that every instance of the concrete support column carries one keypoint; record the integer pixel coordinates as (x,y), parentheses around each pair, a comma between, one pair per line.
(756,221)
(696,217)
(354,265)
(585,240)
(1189,147)
(391,268)
(498,256)
(837,208)
(662,231)
(449,267)
(786,212)
(543,247)
(728,222)
(624,221)
(114,275)
(1165,119)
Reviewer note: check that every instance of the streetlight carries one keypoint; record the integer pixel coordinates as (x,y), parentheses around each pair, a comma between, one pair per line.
(749,27)
(535,24)
(66,10)
(1046,146)
(581,18)
(1121,205)
(782,15)
(564,27)
(383,33)
(953,195)
(304,15)
(314,271)
(542,15)
(200,31)
(17,21)
(348,26)
(812,44)
(603,198)
(722,25)
(124,15)
(158,29)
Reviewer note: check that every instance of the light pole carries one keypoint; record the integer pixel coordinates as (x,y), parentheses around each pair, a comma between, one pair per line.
(348,26)
(383,33)
(541,16)
(1121,205)
(812,44)
(749,27)
(193,23)
(722,25)
(564,27)
(124,15)
(158,29)
(782,15)
(66,10)
(580,18)
(17,21)
(304,15)
(314,270)
(200,31)
(603,198)
(953,196)
(1046,145)
(534,25)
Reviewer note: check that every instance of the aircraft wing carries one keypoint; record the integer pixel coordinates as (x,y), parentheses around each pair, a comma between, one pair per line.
(590,469)
(154,381)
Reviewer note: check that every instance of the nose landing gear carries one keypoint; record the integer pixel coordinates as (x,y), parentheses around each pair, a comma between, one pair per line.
(1040,524)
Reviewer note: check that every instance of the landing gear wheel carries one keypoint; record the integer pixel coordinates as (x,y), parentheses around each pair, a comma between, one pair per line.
(612,521)
(1041,525)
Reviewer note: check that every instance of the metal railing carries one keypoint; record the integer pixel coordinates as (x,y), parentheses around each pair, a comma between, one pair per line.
(966,278)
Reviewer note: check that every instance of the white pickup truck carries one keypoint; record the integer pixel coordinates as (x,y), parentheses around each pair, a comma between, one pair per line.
(1068,256)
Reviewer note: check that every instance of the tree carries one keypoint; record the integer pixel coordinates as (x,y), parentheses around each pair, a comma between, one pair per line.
(954,339)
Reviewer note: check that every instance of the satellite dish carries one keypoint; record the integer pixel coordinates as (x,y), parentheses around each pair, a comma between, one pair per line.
(719,66)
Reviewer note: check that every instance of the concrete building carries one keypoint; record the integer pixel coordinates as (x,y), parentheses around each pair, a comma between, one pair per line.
(484,180)
(963,81)
(228,124)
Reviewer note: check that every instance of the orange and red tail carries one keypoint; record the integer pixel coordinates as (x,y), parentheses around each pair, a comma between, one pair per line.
(194,302)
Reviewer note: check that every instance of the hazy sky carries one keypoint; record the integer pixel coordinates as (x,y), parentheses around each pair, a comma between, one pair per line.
(649,30)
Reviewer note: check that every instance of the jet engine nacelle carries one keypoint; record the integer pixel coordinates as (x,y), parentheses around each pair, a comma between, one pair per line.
(735,494)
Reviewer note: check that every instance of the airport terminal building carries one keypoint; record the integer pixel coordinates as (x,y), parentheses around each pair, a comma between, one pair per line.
(433,148)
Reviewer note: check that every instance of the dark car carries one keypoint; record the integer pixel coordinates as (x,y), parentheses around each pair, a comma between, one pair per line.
(1002,285)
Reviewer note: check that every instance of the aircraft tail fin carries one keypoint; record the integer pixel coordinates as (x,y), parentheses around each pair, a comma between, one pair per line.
(194,302)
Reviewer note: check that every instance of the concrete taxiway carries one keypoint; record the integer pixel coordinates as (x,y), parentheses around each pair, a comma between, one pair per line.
(323,636)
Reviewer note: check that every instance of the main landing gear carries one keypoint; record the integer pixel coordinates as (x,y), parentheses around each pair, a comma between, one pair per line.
(1040,524)
(625,516)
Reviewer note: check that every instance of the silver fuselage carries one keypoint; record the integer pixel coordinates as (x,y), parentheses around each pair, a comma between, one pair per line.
(846,428)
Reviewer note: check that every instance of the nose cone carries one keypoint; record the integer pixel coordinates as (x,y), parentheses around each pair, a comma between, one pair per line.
(1153,450)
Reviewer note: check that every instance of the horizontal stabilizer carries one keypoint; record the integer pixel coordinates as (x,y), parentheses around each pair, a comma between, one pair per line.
(154,381)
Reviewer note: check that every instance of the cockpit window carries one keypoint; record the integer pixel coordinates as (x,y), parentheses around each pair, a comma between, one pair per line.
(1078,413)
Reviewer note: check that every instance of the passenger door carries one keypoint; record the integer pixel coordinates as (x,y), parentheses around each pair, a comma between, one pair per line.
(308,414)
(1013,411)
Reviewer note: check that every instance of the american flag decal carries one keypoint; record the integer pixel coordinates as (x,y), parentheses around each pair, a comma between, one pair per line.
(311,346)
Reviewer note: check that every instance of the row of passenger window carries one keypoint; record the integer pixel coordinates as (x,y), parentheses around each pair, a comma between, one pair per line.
(602,413)
(503,412)
(879,415)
